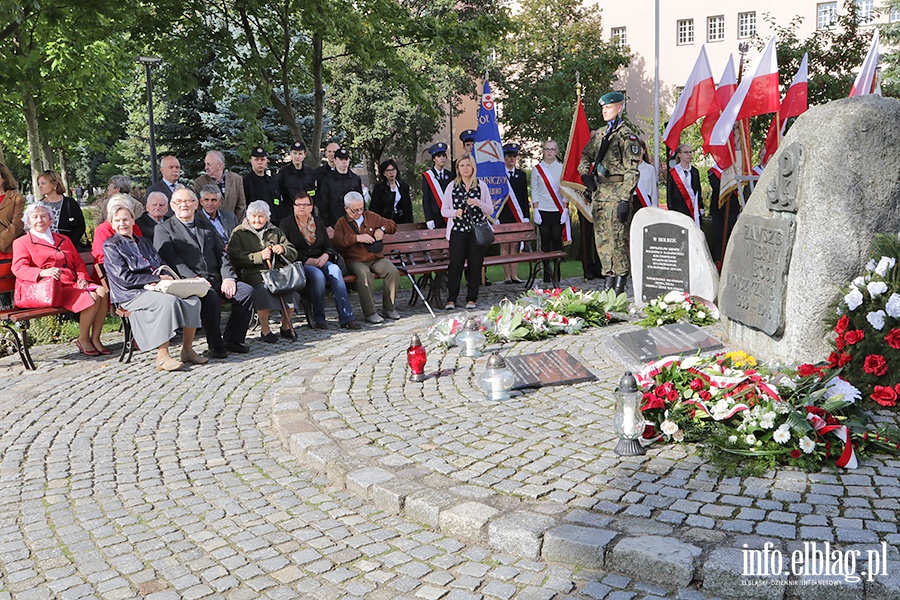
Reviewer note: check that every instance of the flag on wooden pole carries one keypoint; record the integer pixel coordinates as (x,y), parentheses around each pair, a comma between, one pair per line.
(866,80)
(757,94)
(695,100)
(794,104)
(570,183)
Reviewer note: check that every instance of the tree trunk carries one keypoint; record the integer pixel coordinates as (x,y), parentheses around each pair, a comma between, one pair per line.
(62,169)
(33,131)
(319,92)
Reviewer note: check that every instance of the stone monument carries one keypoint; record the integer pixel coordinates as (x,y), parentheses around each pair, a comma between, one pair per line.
(669,252)
(805,231)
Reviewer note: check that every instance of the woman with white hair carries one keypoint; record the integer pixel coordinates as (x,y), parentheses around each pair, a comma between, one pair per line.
(130,264)
(41,254)
(254,245)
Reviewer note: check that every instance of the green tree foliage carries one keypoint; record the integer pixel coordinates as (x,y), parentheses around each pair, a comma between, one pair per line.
(536,87)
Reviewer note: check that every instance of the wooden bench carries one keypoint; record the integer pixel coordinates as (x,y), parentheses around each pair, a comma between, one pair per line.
(16,320)
(524,235)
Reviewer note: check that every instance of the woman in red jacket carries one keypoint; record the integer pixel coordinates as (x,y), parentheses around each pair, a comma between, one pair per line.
(40,253)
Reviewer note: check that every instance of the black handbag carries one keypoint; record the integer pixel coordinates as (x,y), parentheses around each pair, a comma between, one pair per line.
(283,280)
(484,235)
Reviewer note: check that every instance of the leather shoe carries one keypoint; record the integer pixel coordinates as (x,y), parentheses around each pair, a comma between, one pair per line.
(217,353)
(321,325)
(375,318)
(193,358)
(238,348)
(288,334)
(269,338)
(392,314)
(351,325)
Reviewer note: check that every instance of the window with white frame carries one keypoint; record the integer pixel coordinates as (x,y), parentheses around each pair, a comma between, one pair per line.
(619,37)
(866,10)
(746,24)
(826,14)
(715,28)
(685,31)
(895,15)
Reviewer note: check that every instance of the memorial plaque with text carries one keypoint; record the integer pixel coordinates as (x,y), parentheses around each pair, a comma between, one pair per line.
(669,340)
(754,291)
(556,367)
(666,262)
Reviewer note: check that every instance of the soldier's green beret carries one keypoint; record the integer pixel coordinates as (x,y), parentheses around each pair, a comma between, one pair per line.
(612,98)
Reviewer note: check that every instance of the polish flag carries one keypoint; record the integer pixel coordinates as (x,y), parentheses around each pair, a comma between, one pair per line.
(727,86)
(794,104)
(756,95)
(866,80)
(699,92)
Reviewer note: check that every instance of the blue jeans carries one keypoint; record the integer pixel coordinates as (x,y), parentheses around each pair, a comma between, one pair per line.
(315,283)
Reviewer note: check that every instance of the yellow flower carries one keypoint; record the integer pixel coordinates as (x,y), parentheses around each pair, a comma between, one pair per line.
(740,359)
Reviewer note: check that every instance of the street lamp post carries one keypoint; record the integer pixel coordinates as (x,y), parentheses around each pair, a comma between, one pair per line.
(149,62)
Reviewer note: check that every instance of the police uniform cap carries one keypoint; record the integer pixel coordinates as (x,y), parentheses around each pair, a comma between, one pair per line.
(298,146)
(258,152)
(510,149)
(467,136)
(438,148)
(612,98)
(342,153)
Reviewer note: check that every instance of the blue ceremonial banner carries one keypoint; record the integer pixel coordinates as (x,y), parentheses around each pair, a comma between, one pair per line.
(489,152)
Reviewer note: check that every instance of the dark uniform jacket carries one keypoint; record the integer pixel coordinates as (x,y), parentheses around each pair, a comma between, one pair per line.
(674,199)
(330,197)
(292,180)
(432,205)
(383,202)
(519,184)
(265,188)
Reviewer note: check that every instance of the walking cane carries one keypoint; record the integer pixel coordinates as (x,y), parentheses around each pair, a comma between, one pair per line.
(413,281)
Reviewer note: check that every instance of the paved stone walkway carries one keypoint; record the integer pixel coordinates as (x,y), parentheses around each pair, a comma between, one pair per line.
(315,470)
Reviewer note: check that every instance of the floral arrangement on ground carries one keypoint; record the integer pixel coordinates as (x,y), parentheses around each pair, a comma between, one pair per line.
(749,418)
(867,326)
(679,306)
(541,313)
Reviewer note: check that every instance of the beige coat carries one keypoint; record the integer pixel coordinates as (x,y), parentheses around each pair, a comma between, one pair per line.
(12,208)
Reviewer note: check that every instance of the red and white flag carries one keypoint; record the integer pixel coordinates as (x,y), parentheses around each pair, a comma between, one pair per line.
(794,104)
(757,94)
(570,182)
(723,155)
(866,80)
(699,92)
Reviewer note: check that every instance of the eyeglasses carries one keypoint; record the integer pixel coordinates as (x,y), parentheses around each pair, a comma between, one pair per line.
(390,170)
(356,210)
(303,204)
(185,201)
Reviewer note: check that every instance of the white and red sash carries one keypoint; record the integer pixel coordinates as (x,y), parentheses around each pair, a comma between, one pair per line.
(645,202)
(434,184)
(514,205)
(553,189)
(688,197)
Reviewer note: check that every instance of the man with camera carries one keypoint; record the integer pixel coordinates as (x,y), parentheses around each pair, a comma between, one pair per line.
(610,171)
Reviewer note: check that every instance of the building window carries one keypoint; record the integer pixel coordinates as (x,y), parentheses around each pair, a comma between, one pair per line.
(715,28)
(685,32)
(746,24)
(619,37)
(866,10)
(826,15)
(895,15)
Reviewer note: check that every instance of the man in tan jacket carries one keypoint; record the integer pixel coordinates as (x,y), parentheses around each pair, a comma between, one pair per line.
(230,184)
(358,237)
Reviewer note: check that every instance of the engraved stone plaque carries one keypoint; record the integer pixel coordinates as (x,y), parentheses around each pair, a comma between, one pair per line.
(666,262)
(657,342)
(754,291)
(556,367)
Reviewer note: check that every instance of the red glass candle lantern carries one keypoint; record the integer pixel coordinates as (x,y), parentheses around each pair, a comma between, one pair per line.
(415,357)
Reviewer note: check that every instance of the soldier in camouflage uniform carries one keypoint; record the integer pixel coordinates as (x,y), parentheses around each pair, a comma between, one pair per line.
(609,169)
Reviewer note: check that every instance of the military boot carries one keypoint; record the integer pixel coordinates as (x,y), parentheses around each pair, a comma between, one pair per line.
(620,283)
(610,283)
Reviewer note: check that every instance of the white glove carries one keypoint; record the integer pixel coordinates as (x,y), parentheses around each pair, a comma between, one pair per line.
(525,220)
(537,217)
(564,218)
(429,224)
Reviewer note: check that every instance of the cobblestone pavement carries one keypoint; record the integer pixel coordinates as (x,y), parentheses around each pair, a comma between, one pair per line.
(315,470)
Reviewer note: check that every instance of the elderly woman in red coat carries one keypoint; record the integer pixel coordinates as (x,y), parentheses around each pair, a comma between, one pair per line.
(41,253)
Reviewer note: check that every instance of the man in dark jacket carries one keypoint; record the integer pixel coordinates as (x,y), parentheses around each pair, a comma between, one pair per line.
(330,199)
(193,249)
(259,185)
(296,177)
